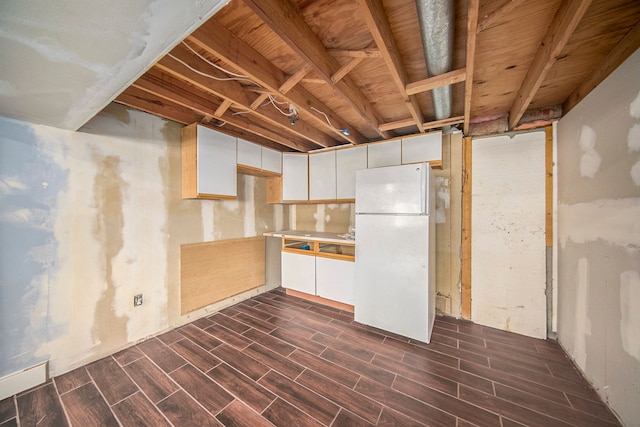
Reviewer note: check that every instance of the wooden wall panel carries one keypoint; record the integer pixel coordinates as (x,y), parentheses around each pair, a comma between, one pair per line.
(213,271)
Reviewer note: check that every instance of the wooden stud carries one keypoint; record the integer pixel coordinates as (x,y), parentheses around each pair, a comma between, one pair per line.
(548,153)
(455,76)
(466,229)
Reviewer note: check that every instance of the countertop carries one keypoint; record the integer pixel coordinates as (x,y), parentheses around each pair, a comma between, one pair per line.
(312,235)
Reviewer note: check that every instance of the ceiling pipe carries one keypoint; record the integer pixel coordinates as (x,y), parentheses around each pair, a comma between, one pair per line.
(436,28)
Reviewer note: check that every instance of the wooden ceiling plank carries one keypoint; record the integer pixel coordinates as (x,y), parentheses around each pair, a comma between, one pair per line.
(472,27)
(294,79)
(628,45)
(380,29)
(398,124)
(564,24)
(493,18)
(452,77)
(371,52)
(181,64)
(214,38)
(171,89)
(286,21)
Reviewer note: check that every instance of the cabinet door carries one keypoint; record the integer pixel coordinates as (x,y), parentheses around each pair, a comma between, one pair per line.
(322,176)
(216,164)
(295,177)
(249,154)
(384,154)
(299,272)
(271,160)
(422,148)
(335,279)
(348,161)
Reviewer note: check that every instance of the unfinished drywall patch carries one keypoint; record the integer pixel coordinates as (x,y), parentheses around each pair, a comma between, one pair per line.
(108,328)
(582,321)
(630,317)
(332,218)
(590,159)
(443,198)
(614,222)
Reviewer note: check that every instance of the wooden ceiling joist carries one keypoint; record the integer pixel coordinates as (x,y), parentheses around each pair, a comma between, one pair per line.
(399,124)
(216,40)
(346,68)
(184,66)
(370,52)
(283,19)
(169,88)
(452,77)
(564,24)
(223,108)
(378,24)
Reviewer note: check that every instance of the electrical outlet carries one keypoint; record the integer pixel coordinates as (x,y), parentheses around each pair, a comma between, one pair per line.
(137,300)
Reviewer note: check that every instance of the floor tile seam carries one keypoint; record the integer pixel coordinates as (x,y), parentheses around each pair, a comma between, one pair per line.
(95,383)
(519,379)
(296,406)
(142,392)
(414,354)
(62,405)
(193,341)
(545,414)
(567,405)
(294,345)
(360,375)
(274,337)
(421,371)
(446,396)
(336,349)
(70,390)
(248,378)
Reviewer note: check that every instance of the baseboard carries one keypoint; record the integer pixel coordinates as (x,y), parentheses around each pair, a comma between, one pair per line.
(23,380)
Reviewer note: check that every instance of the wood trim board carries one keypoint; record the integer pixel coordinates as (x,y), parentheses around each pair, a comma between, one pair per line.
(213,271)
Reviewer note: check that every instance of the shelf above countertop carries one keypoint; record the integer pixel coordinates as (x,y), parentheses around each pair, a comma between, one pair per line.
(320,236)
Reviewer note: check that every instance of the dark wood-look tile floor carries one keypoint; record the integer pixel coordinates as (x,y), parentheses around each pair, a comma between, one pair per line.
(278,360)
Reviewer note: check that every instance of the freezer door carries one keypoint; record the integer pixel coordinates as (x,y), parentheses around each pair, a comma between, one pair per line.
(393,190)
(392,274)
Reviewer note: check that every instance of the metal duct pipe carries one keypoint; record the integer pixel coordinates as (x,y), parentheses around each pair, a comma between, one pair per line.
(436,27)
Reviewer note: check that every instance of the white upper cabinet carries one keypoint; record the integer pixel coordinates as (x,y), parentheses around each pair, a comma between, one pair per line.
(255,158)
(295,177)
(385,154)
(348,161)
(271,160)
(422,148)
(208,164)
(249,154)
(322,176)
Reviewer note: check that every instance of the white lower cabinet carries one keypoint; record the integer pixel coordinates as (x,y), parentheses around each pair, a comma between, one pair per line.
(335,279)
(299,272)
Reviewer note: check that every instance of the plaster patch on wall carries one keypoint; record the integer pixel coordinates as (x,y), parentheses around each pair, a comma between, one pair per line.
(630,316)
(443,198)
(582,321)
(633,138)
(11,184)
(320,217)
(614,221)
(206,212)
(7,89)
(590,160)
(249,207)
(634,107)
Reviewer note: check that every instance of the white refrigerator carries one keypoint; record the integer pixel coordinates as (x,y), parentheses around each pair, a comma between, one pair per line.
(395,249)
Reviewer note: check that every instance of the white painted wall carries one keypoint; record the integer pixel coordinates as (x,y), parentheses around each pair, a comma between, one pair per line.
(88,219)
(599,238)
(508,264)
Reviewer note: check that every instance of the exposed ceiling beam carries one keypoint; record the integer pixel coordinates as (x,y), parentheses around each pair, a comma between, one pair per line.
(399,124)
(629,44)
(185,66)
(286,21)
(215,39)
(564,24)
(455,76)
(226,103)
(172,89)
(144,101)
(379,27)
(492,19)
(472,26)
(294,79)
(347,68)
